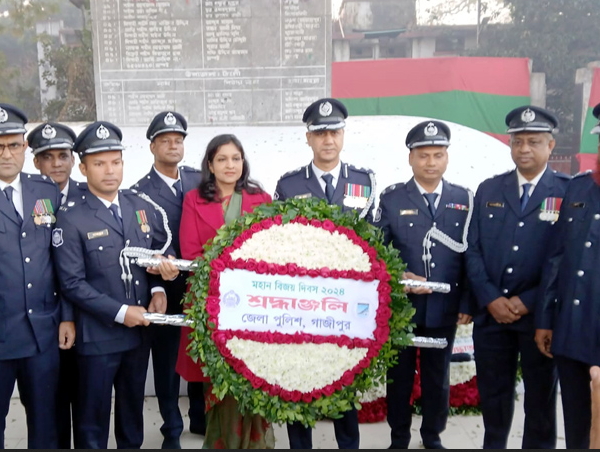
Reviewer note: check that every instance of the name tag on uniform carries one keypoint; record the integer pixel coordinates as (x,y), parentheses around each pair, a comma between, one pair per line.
(495,204)
(578,204)
(409,212)
(304,196)
(97,234)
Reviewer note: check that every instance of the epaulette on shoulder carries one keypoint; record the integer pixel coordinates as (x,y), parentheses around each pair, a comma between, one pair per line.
(391,188)
(188,169)
(128,192)
(467,189)
(292,173)
(360,170)
(39,178)
(584,173)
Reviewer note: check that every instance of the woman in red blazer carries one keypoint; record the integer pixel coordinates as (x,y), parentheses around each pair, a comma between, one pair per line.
(225,194)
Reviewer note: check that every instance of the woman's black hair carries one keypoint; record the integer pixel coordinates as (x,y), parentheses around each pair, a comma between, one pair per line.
(208,186)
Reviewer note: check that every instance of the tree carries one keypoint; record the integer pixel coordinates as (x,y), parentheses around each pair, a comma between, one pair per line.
(557,35)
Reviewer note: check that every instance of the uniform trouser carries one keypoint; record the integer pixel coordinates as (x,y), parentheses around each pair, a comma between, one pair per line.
(196,411)
(435,389)
(576,400)
(66,404)
(165,347)
(346,430)
(37,380)
(497,350)
(126,371)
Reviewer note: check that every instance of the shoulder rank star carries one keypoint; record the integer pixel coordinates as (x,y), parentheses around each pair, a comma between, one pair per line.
(143,221)
(43,213)
(550,209)
(356,196)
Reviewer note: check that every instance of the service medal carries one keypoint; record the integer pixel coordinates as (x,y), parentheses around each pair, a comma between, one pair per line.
(356,196)
(143,221)
(43,213)
(550,209)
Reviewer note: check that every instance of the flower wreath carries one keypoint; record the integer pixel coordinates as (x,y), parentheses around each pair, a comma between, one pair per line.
(296,376)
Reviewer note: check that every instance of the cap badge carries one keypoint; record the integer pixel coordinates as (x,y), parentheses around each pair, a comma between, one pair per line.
(170,119)
(48,132)
(3,115)
(528,116)
(102,133)
(431,130)
(325,109)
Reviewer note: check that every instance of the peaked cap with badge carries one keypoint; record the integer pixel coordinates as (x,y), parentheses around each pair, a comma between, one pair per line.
(50,135)
(428,133)
(12,120)
(167,121)
(325,114)
(100,136)
(531,119)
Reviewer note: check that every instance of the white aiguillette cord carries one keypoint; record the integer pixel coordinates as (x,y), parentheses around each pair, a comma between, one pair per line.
(128,252)
(444,239)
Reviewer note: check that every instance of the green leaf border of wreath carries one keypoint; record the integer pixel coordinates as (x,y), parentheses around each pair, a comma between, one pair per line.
(226,381)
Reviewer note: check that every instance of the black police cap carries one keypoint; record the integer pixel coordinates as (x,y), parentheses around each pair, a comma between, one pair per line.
(596,129)
(167,121)
(12,120)
(325,114)
(531,119)
(101,136)
(50,135)
(428,133)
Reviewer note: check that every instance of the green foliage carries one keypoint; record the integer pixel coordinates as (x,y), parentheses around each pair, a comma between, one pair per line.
(226,381)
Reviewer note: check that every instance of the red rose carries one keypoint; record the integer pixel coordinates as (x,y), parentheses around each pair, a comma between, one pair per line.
(292,269)
(316,394)
(282,270)
(256,227)
(262,267)
(313,273)
(275,390)
(384,288)
(353,274)
(251,265)
(285,395)
(344,274)
(325,272)
(343,230)
(352,235)
(316,223)
(372,253)
(278,220)
(381,334)
(302,271)
(328,225)
(246,234)
(213,287)
(217,264)
(296,396)
(328,390)
(267,223)
(307,398)
(257,382)
(368,277)
(214,274)
(219,338)
(335,274)
(212,309)
(302,220)
(272,269)
(214,321)
(238,242)
(347,378)
(344,341)
(319,340)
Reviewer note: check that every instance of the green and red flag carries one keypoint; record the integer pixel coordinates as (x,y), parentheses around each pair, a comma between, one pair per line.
(588,152)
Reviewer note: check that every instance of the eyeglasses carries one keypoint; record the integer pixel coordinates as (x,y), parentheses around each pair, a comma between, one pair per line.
(13,148)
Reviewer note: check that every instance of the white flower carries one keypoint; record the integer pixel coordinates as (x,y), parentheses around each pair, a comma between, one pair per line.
(462,372)
(296,367)
(296,243)
(375,393)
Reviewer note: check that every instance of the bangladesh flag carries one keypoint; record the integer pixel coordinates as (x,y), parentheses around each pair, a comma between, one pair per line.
(589,143)
(475,92)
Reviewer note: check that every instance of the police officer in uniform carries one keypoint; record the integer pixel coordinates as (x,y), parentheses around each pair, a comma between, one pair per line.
(510,234)
(326,177)
(52,146)
(29,307)
(569,323)
(427,208)
(167,184)
(109,294)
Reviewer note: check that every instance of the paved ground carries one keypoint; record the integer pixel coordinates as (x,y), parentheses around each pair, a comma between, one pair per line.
(463,432)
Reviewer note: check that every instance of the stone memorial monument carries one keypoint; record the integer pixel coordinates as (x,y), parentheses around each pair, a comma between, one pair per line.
(218,62)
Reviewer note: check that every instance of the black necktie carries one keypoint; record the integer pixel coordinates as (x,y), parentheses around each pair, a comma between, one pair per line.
(431,197)
(328,178)
(8,191)
(525,196)
(63,199)
(178,190)
(115,211)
